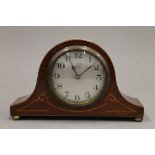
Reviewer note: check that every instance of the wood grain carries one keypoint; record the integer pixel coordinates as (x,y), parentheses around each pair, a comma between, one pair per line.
(43,103)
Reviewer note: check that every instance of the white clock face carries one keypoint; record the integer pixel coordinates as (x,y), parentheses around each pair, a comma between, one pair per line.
(77,77)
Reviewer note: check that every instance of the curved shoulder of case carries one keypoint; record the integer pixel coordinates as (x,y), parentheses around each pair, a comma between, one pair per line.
(42,103)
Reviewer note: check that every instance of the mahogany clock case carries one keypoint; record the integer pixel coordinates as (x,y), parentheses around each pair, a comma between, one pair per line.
(43,103)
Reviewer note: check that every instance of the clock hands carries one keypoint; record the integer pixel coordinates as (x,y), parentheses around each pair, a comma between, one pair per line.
(87,69)
(73,68)
(79,75)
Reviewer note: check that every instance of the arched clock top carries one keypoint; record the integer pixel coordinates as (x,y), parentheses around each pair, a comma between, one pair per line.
(89,92)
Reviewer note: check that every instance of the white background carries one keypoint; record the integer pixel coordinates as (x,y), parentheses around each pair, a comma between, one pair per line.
(130,48)
(82,12)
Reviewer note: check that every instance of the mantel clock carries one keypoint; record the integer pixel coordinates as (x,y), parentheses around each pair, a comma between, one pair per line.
(77,80)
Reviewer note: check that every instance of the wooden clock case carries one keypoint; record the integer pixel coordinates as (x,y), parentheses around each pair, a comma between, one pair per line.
(43,103)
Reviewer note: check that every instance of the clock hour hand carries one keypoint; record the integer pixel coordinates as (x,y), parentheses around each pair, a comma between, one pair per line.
(73,68)
(87,69)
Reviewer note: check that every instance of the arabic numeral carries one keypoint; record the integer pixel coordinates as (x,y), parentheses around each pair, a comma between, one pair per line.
(68,57)
(95,87)
(56,75)
(59,86)
(99,77)
(60,65)
(77,97)
(87,94)
(96,67)
(89,59)
(78,55)
(66,94)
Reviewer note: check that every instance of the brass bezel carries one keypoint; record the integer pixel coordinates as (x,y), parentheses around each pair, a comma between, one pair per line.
(78,48)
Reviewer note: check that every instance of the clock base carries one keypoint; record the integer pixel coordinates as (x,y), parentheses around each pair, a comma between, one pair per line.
(43,103)
(114,108)
(137,119)
(15,117)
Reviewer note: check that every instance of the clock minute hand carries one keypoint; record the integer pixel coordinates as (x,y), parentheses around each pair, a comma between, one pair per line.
(87,69)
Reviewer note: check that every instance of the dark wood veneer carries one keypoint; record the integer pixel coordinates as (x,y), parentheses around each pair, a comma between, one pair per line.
(42,103)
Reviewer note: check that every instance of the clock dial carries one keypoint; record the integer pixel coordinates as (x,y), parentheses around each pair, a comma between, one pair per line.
(78,77)
(77,80)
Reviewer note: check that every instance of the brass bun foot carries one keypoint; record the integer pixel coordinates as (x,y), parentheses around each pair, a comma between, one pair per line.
(138,119)
(15,117)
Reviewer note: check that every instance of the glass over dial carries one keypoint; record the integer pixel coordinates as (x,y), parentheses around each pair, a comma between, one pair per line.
(78,76)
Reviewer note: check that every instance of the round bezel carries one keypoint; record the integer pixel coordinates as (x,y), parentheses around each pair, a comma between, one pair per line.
(79,48)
